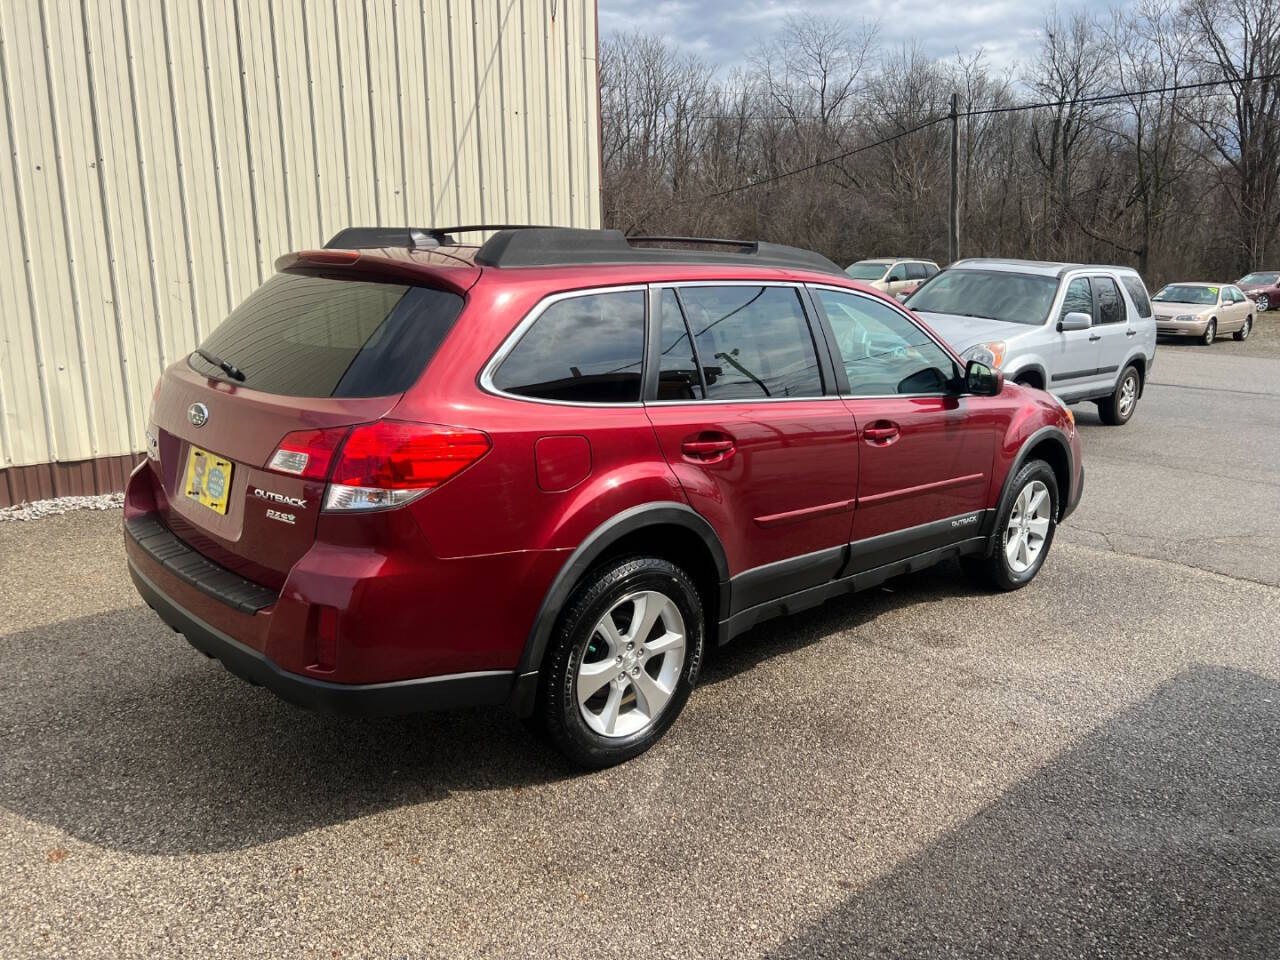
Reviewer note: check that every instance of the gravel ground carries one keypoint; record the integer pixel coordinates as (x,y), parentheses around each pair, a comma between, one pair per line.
(1083,768)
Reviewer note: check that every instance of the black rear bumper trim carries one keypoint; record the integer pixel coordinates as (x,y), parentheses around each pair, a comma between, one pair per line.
(483,688)
(194,568)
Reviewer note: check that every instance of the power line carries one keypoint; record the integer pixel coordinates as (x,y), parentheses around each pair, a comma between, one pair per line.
(815,165)
(1011,108)
(1097,98)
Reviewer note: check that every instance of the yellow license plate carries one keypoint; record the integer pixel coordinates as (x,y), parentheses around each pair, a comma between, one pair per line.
(208,479)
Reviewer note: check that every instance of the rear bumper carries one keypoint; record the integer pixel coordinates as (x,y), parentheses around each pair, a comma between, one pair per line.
(486,688)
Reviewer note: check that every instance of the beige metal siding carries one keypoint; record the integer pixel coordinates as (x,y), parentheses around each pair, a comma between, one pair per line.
(158,155)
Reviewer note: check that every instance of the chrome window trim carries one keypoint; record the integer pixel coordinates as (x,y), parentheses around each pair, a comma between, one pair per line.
(538,309)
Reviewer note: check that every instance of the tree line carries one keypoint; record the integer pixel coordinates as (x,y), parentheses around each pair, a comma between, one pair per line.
(1182,181)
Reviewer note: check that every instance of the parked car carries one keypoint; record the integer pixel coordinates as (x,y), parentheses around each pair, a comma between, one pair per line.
(890,275)
(1203,310)
(545,472)
(1081,331)
(1262,288)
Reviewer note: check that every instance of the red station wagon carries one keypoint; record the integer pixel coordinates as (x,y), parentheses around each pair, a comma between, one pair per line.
(408,473)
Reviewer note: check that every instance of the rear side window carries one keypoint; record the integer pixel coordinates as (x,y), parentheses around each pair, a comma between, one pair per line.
(584,349)
(1110,304)
(916,271)
(677,367)
(753,342)
(305,336)
(1138,294)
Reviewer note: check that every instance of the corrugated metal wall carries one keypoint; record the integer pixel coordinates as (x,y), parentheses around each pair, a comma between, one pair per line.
(156,156)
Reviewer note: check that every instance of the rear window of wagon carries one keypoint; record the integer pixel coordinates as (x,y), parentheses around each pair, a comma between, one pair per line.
(310,336)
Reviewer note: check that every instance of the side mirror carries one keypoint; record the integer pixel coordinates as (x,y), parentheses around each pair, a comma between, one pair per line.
(982,380)
(893,278)
(1075,321)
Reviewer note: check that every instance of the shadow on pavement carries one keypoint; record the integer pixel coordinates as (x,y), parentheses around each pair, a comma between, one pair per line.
(1158,836)
(114,730)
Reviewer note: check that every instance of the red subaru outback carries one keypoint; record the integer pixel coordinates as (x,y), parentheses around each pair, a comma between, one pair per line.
(408,473)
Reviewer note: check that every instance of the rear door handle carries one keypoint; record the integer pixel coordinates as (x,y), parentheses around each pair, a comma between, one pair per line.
(882,431)
(1131,333)
(708,449)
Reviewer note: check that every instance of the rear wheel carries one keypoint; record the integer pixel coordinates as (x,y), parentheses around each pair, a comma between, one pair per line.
(1264,303)
(1210,333)
(1118,408)
(1024,531)
(1243,332)
(623,661)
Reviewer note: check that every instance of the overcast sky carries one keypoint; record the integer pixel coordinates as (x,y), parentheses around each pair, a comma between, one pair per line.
(725,31)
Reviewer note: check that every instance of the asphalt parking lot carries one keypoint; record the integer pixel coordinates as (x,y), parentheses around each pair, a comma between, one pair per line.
(1089,767)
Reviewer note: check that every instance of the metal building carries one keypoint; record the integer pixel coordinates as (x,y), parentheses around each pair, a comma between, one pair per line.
(156,156)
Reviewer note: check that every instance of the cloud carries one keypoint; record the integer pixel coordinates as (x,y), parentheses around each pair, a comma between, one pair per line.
(726,32)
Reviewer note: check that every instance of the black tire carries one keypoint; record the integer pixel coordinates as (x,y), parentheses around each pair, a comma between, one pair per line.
(557,711)
(1243,332)
(1111,410)
(1210,333)
(995,570)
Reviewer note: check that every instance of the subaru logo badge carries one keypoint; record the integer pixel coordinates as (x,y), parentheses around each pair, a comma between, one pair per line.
(198,414)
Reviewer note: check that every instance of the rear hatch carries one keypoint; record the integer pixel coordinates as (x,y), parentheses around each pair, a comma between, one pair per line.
(307,351)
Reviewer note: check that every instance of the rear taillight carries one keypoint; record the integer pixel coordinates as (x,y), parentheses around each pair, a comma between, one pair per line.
(391,462)
(307,453)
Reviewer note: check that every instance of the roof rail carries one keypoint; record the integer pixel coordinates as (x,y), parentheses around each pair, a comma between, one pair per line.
(556,246)
(411,238)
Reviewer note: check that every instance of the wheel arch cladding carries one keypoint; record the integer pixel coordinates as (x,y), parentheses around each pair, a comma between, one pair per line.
(1139,362)
(1050,445)
(671,530)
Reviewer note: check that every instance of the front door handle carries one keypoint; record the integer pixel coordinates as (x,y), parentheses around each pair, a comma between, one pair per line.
(881,432)
(708,447)
(1094,337)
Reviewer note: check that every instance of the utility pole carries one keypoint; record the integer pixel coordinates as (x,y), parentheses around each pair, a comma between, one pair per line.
(953,233)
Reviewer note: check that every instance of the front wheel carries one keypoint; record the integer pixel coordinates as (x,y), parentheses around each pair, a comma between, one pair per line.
(1117,409)
(623,661)
(1264,303)
(1210,333)
(1243,332)
(1024,531)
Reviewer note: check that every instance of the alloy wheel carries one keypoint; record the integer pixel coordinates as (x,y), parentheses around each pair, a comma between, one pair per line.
(1210,332)
(1128,396)
(632,664)
(1264,303)
(1028,527)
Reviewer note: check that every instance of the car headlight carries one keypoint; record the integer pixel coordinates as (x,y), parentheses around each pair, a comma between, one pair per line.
(1184,317)
(991,353)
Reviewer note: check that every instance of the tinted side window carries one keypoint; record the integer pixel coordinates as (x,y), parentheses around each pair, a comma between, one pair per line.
(584,349)
(677,367)
(930,269)
(916,271)
(1138,294)
(753,342)
(883,352)
(1078,298)
(1110,305)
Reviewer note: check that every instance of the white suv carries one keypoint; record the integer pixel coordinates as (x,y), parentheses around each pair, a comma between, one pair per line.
(1081,331)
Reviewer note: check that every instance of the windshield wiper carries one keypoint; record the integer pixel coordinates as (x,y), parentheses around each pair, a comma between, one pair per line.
(226,366)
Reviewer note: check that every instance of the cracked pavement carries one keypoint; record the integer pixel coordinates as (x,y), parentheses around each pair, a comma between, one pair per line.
(1086,767)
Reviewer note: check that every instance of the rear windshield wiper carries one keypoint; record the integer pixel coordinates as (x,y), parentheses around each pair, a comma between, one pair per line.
(226,366)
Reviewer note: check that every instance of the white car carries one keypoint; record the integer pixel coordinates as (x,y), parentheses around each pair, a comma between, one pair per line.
(892,276)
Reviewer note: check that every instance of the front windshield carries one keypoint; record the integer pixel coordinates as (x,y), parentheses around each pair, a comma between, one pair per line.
(1186,293)
(995,294)
(1260,279)
(862,270)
